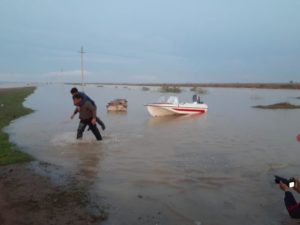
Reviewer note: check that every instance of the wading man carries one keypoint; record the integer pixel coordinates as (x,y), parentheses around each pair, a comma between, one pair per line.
(84,98)
(87,116)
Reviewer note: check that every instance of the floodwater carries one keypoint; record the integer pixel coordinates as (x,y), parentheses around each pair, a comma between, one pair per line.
(211,169)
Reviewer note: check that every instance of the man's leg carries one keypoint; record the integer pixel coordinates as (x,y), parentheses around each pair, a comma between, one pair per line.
(95,131)
(100,122)
(80,129)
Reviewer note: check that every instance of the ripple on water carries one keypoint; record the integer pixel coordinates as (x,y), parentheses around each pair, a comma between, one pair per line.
(69,138)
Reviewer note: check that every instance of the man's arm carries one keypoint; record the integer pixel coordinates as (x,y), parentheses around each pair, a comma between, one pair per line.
(93,110)
(85,98)
(75,112)
(290,203)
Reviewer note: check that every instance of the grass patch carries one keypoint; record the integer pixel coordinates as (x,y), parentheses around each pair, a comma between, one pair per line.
(169,89)
(198,90)
(281,105)
(11,107)
(145,89)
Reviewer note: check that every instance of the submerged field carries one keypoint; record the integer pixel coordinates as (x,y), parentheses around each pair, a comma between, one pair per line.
(173,170)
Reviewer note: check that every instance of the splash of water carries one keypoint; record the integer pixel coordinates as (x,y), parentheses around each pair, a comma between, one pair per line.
(69,138)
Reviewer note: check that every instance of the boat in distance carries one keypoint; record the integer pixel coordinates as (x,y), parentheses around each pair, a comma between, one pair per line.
(173,107)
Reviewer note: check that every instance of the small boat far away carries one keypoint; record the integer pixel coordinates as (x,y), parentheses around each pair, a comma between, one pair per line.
(172,106)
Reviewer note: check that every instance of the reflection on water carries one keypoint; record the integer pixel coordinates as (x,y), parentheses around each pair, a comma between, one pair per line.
(215,168)
(160,121)
(116,113)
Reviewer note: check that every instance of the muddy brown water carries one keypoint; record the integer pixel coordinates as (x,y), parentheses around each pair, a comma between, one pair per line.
(211,169)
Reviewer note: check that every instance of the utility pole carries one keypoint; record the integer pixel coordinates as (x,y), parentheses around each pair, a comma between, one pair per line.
(82,75)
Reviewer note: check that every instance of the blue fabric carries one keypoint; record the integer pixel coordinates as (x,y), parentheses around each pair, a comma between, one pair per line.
(85,98)
(194,98)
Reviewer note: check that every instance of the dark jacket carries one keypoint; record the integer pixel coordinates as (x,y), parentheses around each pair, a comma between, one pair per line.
(85,98)
(87,110)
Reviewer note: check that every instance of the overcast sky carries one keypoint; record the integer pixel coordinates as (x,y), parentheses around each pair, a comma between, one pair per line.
(150,40)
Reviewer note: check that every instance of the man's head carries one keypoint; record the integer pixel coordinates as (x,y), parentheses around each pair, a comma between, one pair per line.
(74,91)
(76,99)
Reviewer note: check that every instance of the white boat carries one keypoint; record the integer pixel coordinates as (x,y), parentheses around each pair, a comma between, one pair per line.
(173,107)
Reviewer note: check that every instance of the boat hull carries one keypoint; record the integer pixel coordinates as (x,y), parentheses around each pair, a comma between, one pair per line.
(159,109)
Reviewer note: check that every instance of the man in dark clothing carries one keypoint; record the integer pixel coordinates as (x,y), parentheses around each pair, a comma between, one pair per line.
(290,203)
(87,116)
(85,98)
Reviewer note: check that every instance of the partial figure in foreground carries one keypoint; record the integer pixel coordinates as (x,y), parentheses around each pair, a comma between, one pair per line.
(85,98)
(87,116)
(290,203)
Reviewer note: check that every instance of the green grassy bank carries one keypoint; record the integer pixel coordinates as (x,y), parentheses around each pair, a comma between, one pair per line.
(11,107)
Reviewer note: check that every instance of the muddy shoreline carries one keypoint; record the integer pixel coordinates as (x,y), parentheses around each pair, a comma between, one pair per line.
(30,195)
